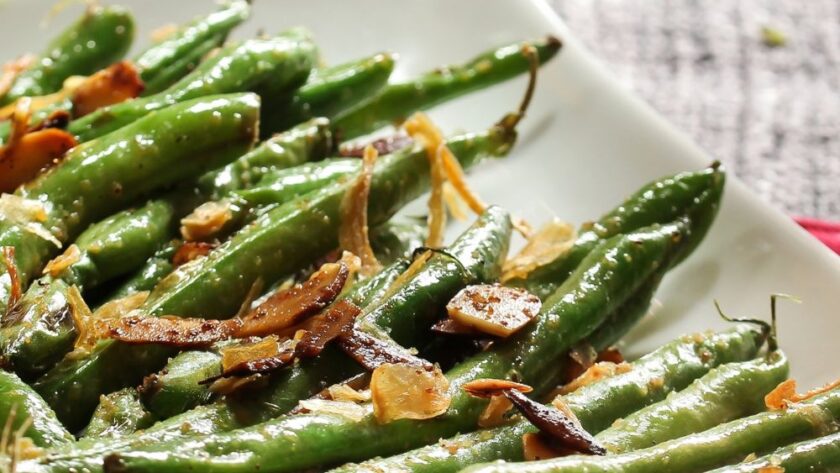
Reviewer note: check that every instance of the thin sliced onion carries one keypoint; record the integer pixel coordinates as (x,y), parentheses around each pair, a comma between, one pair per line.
(347,409)
(88,329)
(551,240)
(57,265)
(408,392)
(594,373)
(28,214)
(421,129)
(206,220)
(343,392)
(191,250)
(353,233)
(238,354)
(495,414)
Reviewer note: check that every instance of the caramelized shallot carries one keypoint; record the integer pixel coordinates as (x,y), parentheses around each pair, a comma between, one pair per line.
(117,83)
(206,220)
(372,352)
(191,250)
(551,240)
(402,391)
(353,235)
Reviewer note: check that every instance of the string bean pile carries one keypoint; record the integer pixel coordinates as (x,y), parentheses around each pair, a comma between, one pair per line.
(204,269)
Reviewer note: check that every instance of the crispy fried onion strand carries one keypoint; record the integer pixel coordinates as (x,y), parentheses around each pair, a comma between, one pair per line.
(353,235)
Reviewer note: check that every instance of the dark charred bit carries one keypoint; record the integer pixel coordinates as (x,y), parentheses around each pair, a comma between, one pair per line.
(288,307)
(335,322)
(310,338)
(386,145)
(563,432)
(172,331)
(453,327)
(371,352)
(57,119)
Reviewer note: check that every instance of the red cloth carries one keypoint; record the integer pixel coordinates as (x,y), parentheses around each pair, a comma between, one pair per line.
(826,232)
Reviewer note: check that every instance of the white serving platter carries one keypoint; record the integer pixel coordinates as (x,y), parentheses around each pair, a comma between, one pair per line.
(586,144)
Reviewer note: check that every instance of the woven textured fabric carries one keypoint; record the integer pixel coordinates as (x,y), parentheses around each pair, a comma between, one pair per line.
(771,114)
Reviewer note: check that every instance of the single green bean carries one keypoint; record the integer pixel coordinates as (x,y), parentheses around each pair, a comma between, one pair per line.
(18,402)
(725,444)
(119,413)
(283,185)
(101,36)
(155,269)
(820,455)
(396,101)
(165,62)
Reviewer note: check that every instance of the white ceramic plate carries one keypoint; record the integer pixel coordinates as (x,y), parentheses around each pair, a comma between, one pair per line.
(585,145)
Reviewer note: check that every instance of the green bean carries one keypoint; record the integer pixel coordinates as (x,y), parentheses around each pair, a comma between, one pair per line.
(328,92)
(811,456)
(722,445)
(393,241)
(119,413)
(40,329)
(284,61)
(309,141)
(283,185)
(101,36)
(177,387)
(276,244)
(659,201)
(670,368)
(100,178)
(155,269)
(165,62)
(18,402)
(726,393)
(604,280)
(396,101)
